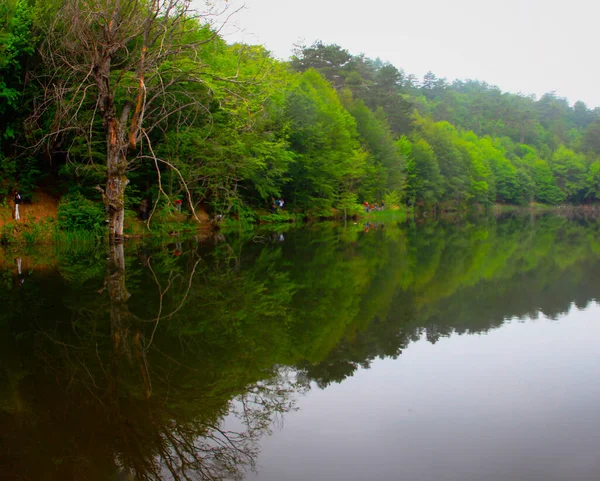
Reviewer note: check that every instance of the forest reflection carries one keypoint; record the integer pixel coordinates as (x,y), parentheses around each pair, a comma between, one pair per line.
(123,364)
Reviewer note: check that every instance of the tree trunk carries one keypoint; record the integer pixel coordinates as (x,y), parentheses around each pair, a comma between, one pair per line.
(115,282)
(126,335)
(116,182)
(115,205)
(118,296)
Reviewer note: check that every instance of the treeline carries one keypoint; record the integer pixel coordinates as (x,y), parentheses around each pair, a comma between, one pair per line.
(326,130)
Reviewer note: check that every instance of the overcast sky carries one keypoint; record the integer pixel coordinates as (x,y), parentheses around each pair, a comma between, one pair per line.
(528,46)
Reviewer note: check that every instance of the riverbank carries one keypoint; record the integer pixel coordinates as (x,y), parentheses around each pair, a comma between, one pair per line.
(43,220)
(47,219)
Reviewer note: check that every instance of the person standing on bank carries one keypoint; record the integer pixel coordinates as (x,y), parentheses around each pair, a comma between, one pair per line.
(17,202)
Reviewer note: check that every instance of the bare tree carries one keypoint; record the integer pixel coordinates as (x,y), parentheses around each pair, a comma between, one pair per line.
(128,65)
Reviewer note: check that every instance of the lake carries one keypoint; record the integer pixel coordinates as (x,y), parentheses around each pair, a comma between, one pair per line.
(461,350)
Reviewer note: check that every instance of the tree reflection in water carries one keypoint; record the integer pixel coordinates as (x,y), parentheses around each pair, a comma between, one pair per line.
(142,364)
(93,388)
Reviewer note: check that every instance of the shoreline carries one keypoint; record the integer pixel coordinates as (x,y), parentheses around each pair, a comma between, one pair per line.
(38,229)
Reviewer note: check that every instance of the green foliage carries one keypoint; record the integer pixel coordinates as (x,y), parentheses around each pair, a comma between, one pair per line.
(75,212)
(348,205)
(323,137)
(593,181)
(424,180)
(281,217)
(392,199)
(569,169)
(16,44)
(546,190)
(326,131)
(386,166)
(37,232)
(8,233)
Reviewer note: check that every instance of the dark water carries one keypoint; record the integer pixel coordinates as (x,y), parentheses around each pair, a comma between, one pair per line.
(441,351)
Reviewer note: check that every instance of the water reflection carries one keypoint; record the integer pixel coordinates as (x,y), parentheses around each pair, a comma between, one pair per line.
(123,364)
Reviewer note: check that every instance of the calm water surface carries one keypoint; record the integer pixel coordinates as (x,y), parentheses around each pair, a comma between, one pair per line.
(439,351)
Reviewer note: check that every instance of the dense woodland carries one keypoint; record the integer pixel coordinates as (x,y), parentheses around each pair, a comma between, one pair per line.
(146,100)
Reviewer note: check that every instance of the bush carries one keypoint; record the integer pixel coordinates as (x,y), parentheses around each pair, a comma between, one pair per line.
(392,199)
(348,205)
(7,233)
(75,212)
(280,217)
(37,232)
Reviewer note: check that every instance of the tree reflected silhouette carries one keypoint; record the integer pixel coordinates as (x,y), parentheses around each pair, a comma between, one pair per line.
(141,364)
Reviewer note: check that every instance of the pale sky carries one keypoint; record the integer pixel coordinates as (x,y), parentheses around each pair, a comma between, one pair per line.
(528,46)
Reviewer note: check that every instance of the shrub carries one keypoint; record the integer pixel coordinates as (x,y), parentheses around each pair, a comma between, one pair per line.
(392,199)
(280,217)
(348,205)
(7,233)
(75,212)
(37,232)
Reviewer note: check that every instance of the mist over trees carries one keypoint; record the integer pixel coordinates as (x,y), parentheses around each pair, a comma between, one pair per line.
(121,101)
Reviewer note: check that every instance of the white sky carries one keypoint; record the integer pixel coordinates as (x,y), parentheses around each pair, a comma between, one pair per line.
(528,46)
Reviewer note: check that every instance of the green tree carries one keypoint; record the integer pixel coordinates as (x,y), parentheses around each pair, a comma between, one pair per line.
(324,139)
(125,71)
(453,164)
(569,170)
(546,190)
(424,181)
(387,166)
(331,61)
(591,138)
(17,45)
(237,153)
(592,181)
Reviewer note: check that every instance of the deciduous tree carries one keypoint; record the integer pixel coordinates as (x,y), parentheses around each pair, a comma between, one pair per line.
(119,71)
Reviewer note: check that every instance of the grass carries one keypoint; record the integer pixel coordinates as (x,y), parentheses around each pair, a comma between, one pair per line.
(391,214)
(47,231)
(280,217)
(75,237)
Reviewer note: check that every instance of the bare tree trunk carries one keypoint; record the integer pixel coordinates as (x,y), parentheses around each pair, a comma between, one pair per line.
(117,290)
(115,194)
(119,312)
(116,149)
(125,335)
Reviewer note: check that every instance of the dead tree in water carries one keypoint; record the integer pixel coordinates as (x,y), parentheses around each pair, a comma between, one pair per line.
(130,63)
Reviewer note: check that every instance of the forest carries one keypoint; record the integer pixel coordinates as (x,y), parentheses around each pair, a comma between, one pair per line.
(105,104)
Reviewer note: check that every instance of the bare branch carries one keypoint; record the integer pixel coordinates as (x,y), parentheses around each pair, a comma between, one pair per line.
(183,182)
